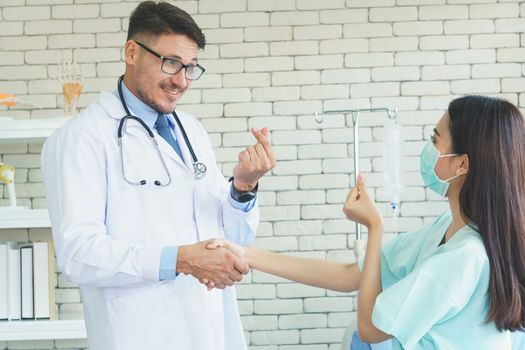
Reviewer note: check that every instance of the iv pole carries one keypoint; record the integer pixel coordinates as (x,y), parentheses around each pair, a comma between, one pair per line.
(359,243)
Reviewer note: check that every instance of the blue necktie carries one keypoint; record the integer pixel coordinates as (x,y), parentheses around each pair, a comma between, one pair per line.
(164,131)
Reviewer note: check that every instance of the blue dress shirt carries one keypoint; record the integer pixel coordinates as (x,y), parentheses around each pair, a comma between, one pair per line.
(168,259)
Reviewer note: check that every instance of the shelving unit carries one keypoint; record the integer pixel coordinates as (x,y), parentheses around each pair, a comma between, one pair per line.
(28,130)
(33,131)
(42,330)
(24,218)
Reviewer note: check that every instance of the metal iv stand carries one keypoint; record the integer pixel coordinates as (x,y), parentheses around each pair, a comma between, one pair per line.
(359,244)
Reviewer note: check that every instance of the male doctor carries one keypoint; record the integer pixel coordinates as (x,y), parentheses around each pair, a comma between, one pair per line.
(131,217)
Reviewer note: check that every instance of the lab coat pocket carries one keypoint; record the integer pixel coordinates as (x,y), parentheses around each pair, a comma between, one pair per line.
(156,312)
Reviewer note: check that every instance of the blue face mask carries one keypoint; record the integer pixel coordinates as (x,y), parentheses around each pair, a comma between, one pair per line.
(428,160)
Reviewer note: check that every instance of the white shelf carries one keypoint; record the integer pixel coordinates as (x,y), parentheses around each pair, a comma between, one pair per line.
(28,130)
(23,218)
(25,131)
(42,330)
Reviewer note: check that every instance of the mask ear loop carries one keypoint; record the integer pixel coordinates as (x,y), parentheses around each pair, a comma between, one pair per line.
(457,175)
(452,178)
(448,155)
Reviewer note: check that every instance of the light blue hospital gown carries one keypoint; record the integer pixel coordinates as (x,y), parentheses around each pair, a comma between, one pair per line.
(436,297)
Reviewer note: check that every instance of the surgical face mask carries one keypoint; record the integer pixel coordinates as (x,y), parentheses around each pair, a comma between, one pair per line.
(428,160)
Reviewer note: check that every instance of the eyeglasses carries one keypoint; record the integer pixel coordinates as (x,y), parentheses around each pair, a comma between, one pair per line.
(172,66)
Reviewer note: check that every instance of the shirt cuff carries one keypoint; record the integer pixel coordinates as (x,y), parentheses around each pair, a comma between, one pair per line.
(245,207)
(168,263)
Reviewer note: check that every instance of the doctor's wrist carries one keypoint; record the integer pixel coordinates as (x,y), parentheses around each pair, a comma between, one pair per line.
(243,193)
(183,265)
(241,186)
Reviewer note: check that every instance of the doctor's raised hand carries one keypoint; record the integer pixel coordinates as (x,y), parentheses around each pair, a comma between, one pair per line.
(254,162)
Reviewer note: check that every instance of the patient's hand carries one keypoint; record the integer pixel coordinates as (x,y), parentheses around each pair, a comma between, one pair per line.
(359,207)
(232,247)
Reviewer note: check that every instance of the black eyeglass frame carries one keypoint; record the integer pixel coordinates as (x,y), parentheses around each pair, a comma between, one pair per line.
(182,65)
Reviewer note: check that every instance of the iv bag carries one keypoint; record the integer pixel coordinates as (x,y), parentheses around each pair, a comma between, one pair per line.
(393,162)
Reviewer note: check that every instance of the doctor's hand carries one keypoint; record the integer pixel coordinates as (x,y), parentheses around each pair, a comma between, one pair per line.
(254,161)
(219,266)
(232,247)
(359,207)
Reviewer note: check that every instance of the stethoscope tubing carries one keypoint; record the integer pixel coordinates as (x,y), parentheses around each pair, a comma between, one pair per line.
(199,169)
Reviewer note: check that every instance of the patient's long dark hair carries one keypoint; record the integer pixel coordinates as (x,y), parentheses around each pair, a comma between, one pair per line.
(491,132)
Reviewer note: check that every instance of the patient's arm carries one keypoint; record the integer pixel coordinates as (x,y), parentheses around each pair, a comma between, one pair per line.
(314,272)
(370,288)
(359,207)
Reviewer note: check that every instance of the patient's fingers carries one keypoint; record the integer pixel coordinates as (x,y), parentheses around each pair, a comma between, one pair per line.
(216,243)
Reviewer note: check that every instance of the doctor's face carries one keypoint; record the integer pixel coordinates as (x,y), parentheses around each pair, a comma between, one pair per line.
(144,77)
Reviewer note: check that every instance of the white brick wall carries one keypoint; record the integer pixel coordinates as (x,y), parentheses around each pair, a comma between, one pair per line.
(274,63)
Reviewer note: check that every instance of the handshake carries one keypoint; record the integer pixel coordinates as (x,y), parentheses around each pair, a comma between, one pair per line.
(216,263)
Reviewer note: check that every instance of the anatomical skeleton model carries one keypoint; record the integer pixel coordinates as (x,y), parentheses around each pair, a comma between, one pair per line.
(71,76)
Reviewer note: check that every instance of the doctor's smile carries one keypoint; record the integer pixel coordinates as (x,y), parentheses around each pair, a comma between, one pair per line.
(173,93)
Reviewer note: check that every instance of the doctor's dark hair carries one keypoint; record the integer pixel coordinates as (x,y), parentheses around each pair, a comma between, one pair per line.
(491,132)
(154,19)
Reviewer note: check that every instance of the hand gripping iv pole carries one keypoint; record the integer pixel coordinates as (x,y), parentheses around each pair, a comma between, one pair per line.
(359,243)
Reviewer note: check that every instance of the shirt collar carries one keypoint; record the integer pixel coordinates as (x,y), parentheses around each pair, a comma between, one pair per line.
(142,110)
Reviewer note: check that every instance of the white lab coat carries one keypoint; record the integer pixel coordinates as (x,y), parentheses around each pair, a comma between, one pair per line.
(109,235)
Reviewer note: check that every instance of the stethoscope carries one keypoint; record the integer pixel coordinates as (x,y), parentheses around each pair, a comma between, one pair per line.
(199,169)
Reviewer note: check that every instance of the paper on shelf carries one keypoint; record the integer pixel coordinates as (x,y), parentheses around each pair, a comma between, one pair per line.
(15,306)
(26,267)
(41,279)
(4,295)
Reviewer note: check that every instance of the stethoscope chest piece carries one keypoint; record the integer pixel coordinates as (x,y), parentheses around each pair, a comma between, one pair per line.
(199,170)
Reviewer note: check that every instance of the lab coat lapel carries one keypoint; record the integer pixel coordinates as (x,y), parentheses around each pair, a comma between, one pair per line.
(166,149)
(113,106)
(137,130)
(188,160)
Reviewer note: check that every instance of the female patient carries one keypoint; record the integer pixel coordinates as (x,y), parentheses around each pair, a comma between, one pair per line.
(459,282)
